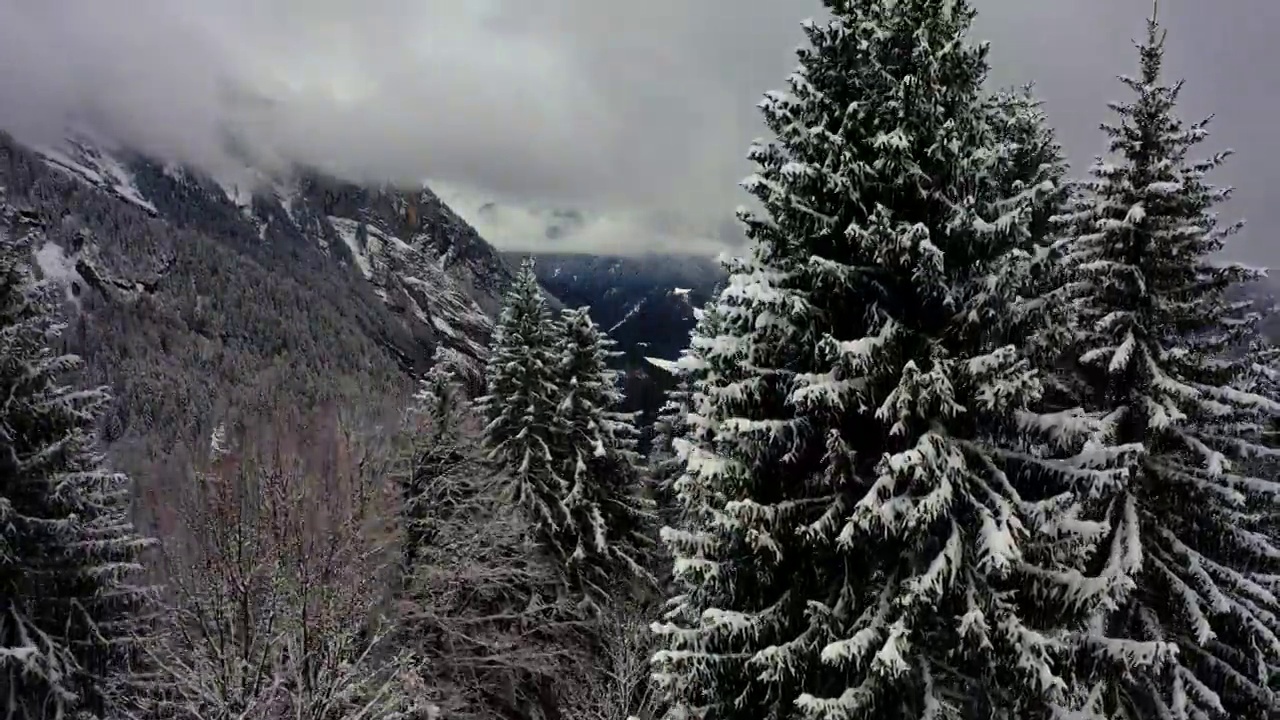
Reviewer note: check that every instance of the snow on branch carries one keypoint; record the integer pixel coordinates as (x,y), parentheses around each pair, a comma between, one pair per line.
(277,562)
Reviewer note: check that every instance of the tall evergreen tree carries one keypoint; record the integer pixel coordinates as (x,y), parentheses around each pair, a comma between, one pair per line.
(597,446)
(438,442)
(1032,165)
(71,609)
(1032,169)
(673,429)
(1189,563)
(670,423)
(854,548)
(521,406)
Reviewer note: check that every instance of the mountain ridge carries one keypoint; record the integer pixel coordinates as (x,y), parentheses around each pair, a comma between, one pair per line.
(190,298)
(400,240)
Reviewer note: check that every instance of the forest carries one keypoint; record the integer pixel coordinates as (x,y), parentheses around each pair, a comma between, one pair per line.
(964,435)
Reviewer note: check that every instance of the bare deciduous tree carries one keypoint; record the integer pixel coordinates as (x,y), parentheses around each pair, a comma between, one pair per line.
(488,605)
(616,679)
(276,559)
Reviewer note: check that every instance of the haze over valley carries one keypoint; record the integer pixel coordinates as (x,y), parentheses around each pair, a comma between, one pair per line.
(579,360)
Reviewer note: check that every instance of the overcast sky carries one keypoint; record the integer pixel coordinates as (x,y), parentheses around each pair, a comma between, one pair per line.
(636,113)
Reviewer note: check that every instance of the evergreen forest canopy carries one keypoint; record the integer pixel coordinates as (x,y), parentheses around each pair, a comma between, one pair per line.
(962,437)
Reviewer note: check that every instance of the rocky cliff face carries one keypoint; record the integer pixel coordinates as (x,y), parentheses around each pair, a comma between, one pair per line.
(188,295)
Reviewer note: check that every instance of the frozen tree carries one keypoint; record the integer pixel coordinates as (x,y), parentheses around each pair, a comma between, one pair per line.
(619,684)
(596,442)
(442,434)
(1188,561)
(861,540)
(484,606)
(488,614)
(1032,162)
(674,431)
(1032,170)
(278,558)
(520,408)
(671,423)
(72,608)
(442,393)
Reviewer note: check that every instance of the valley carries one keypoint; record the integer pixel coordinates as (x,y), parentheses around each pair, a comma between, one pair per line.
(957,427)
(189,296)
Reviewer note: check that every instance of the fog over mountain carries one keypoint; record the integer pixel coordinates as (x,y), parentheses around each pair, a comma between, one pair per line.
(640,124)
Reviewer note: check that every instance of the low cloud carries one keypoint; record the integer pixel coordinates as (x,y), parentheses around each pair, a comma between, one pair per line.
(636,114)
(515,226)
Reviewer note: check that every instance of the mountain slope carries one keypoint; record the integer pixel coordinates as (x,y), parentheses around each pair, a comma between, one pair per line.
(645,302)
(190,297)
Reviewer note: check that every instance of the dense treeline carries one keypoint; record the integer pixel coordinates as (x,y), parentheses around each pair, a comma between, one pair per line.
(186,319)
(967,439)
(959,438)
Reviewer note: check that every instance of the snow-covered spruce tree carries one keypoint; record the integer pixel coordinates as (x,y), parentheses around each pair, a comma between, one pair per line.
(671,423)
(520,408)
(612,522)
(674,433)
(435,445)
(499,636)
(1187,562)
(672,420)
(854,549)
(71,607)
(1033,162)
(1033,169)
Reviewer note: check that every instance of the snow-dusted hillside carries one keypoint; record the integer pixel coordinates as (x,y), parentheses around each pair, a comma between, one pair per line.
(189,295)
(430,268)
(88,163)
(645,302)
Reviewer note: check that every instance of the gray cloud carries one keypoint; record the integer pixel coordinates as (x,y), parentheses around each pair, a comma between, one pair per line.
(636,113)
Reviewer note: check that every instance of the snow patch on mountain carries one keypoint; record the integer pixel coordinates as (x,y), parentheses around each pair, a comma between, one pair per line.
(670,366)
(97,168)
(59,268)
(54,263)
(240,194)
(630,314)
(443,326)
(348,231)
(422,261)
(412,279)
